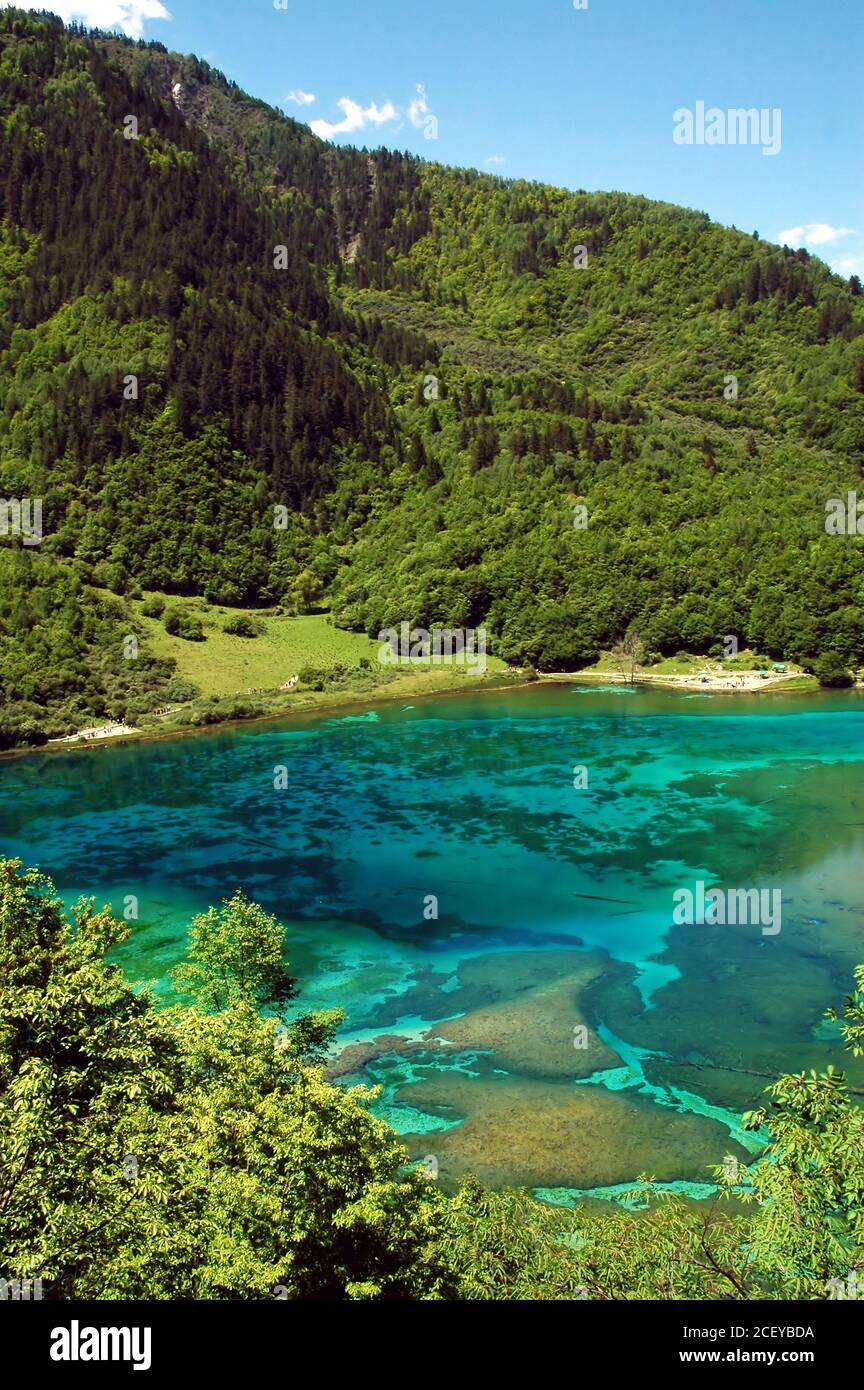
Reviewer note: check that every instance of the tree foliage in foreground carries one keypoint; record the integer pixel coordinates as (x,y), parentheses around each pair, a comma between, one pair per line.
(197,1151)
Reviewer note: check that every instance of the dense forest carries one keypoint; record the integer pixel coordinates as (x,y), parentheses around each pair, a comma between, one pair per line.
(232,355)
(199,1151)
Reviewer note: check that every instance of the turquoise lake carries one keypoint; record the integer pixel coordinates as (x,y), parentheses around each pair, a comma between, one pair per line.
(502,941)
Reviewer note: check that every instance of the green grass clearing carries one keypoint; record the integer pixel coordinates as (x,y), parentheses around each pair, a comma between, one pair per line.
(224,664)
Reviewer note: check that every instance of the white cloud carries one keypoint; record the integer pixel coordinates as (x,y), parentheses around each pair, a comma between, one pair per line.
(128,15)
(851,265)
(813,234)
(355,117)
(300,98)
(495,161)
(387,112)
(419,107)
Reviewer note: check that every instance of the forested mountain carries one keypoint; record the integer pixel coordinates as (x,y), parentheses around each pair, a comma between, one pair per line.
(206,312)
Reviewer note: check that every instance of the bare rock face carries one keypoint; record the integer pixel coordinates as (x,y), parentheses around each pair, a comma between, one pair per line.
(193,100)
(350,252)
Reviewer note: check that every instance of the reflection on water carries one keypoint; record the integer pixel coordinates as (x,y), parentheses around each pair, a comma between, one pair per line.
(501,940)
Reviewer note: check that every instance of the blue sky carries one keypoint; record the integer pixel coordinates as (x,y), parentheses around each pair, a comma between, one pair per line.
(584,98)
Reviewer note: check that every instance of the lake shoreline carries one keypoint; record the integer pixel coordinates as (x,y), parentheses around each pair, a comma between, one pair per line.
(741,683)
(117,735)
(347,702)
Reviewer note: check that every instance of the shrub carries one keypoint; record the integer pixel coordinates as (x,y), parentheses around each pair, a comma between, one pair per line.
(181,623)
(178,691)
(831,671)
(242,626)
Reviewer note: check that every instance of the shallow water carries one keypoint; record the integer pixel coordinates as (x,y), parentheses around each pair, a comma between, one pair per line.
(554,904)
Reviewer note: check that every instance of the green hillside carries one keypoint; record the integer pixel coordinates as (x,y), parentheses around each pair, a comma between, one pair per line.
(224,316)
